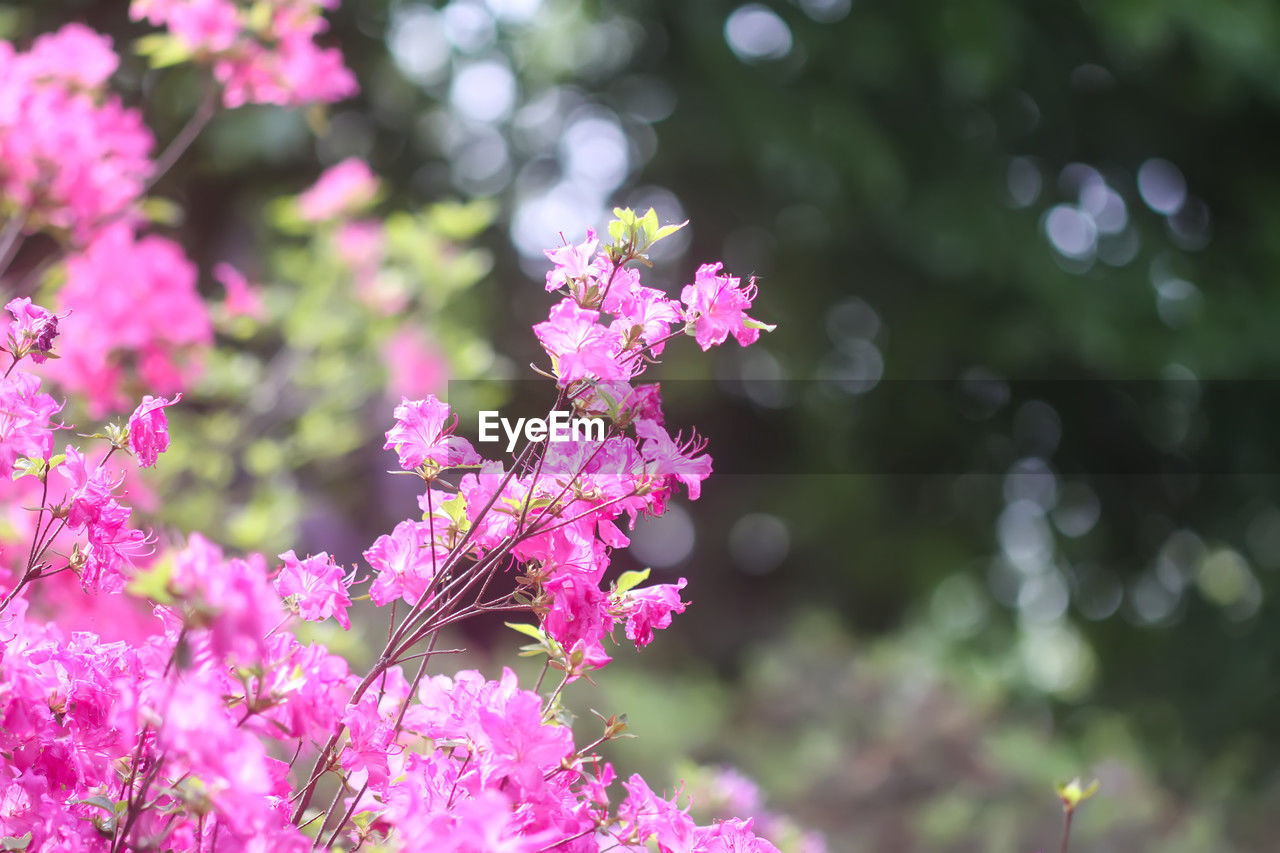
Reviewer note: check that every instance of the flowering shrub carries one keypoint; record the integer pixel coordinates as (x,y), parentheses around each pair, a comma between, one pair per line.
(262,53)
(178,741)
(217,725)
(74,157)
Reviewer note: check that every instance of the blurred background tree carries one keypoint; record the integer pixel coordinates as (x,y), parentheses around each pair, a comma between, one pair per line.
(1062,216)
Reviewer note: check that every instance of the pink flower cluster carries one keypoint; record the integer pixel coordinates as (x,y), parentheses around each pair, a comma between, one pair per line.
(72,157)
(130,304)
(26,412)
(262,53)
(216,730)
(582,345)
(33,332)
(86,520)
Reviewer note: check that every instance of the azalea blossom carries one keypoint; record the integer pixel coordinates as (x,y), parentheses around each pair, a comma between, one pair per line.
(149,429)
(650,609)
(266,59)
(26,426)
(243,299)
(571,263)
(716,305)
(424,432)
(32,331)
(129,300)
(342,189)
(684,461)
(75,158)
(317,586)
(579,346)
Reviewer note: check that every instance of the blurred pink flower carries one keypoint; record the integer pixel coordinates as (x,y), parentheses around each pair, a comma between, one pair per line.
(129,301)
(415,368)
(274,60)
(243,299)
(75,159)
(341,190)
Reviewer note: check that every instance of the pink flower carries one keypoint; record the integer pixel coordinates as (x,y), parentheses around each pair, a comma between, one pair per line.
(230,600)
(652,817)
(237,775)
(684,461)
(580,348)
(716,306)
(731,836)
(369,742)
(424,431)
(579,617)
(478,489)
(343,189)
(414,366)
(406,561)
(292,73)
(25,413)
(622,401)
(571,263)
(129,301)
(644,314)
(651,608)
(92,510)
(74,158)
(75,55)
(207,25)
(149,429)
(32,331)
(275,61)
(243,299)
(318,586)
(307,686)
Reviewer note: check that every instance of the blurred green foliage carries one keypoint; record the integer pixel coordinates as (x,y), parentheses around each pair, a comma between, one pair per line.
(905,744)
(290,401)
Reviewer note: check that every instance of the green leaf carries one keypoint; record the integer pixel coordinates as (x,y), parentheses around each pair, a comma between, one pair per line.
(456,509)
(162,211)
(667,231)
(153,584)
(756,324)
(15,842)
(617,232)
(649,224)
(28,466)
(458,221)
(622,229)
(259,17)
(527,629)
(630,580)
(162,50)
(103,802)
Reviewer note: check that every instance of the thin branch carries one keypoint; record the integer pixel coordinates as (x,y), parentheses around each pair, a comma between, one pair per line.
(11,238)
(187,135)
